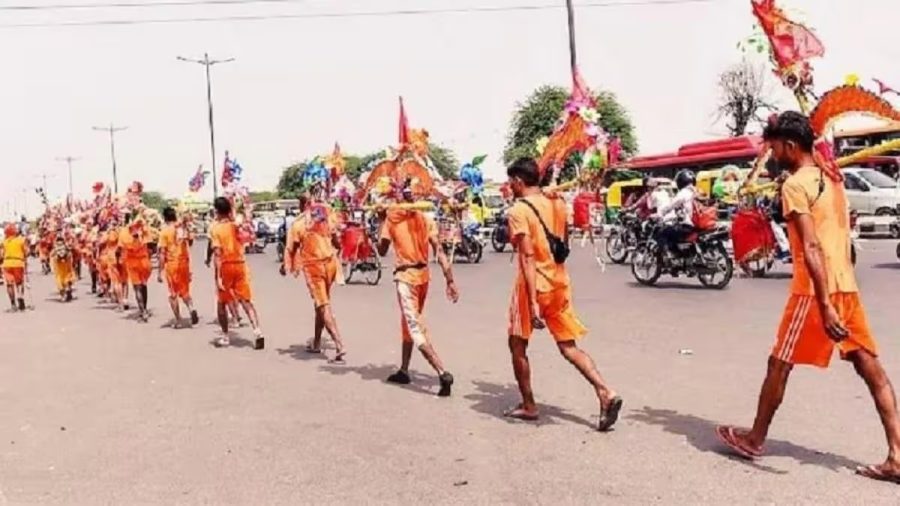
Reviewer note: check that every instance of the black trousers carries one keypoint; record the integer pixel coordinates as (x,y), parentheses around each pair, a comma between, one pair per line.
(671,235)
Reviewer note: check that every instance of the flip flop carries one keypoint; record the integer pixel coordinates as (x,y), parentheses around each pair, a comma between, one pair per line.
(728,436)
(519,414)
(313,351)
(222,342)
(610,415)
(875,473)
(338,359)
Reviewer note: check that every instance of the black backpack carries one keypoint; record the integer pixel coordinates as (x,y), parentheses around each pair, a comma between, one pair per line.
(559,247)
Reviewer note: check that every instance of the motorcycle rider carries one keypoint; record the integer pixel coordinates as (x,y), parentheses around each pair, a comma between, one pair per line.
(678,215)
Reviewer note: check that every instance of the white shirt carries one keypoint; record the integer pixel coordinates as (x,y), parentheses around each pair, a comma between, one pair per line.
(681,208)
(659,199)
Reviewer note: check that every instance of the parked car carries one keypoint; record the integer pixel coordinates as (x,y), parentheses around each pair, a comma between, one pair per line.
(871,192)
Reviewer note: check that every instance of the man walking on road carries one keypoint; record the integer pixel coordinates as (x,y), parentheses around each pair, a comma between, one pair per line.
(15,258)
(824,310)
(412,234)
(175,259)
(542,295)
(231,273)
(310,248)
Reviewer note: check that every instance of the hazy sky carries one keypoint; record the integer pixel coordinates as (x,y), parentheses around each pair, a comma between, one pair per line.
(299,85)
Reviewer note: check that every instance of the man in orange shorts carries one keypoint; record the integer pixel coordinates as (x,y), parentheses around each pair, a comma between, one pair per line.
(175,258)
(310,248)
(542,294)
(824,310)
(136,258)
(231,273)
(413,234)
(15,258)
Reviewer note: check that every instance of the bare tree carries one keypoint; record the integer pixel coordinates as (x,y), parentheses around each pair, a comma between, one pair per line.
(744,96)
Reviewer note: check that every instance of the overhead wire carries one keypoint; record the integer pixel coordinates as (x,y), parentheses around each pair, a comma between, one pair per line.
(350,14)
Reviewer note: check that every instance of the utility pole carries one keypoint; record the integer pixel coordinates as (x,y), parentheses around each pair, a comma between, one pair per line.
(69,160)
(112,129)
(571,11)
(44,176)
(207,63)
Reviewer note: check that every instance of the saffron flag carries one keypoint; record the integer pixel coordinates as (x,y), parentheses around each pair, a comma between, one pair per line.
(791,42)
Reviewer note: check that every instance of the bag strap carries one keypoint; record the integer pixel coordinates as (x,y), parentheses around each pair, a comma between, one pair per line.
(547,231)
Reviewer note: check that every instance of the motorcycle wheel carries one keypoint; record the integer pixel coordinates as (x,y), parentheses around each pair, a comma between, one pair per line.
(759,267)
(474,252)
(616,249)
(646,265)
(724,266)
(496,242)
(852,254)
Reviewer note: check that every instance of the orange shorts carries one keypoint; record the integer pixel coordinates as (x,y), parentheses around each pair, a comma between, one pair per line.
(320,277)
(178,279)
(802,338)
(412,304)
(14,275)
(235,281)
(138,271)
(556,312)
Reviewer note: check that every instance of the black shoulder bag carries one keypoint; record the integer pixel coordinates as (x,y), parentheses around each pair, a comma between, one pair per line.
(559,248)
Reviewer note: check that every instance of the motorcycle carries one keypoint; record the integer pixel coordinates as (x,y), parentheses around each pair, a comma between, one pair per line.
(624,238)
(500,233)
(281,242)
(702,254)
(459,240)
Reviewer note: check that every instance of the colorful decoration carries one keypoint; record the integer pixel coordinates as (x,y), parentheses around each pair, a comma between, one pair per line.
(335,163)
(471,174)
(883,88)
(198,180)
(791,46)
(577,130)
(848,99)
(232,172)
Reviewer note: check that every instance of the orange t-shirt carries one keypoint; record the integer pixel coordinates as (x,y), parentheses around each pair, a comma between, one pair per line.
(312,232)
(830,212)
(175,242)
(410,231)
(133,247)
(224,237)
(523,222)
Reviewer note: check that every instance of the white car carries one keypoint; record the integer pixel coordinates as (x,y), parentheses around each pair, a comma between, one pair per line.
(871,192)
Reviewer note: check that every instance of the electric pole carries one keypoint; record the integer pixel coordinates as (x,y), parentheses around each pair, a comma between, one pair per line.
(44,176)
(69,160)
(207,63)
(571,11)
(112,129)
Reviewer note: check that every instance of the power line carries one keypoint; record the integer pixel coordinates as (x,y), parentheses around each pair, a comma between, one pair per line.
(124,5)
(358,14)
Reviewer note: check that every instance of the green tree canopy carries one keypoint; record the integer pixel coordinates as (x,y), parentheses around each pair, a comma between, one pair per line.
(154,200)
(537,116)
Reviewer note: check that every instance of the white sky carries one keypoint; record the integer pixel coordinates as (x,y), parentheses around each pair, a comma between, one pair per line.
(298,85)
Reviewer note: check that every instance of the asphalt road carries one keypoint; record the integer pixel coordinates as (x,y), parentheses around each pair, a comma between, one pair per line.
(100,409)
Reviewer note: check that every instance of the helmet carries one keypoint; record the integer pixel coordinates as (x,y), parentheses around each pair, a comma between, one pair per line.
(685,178)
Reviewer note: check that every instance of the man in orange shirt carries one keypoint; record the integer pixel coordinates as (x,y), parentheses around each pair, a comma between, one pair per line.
(231,273)
(824,310)
(118,277)
(136,258)
(15,258)
(542,293)
(310,248)
(175,258)
(413,234)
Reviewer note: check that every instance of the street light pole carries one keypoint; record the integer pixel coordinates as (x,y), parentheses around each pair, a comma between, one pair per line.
(207,63)
(112,129)
(571,12)
(69,160)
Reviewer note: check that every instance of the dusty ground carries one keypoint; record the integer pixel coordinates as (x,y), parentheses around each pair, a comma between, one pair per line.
(99,409)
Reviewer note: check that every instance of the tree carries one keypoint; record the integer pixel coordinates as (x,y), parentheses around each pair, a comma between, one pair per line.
(263,196)
(154,200)
(289,184)
(445,161)
(744,96)
(537,117)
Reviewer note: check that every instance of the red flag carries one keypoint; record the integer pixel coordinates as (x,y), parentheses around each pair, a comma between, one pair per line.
(404,125)
(791,42)
(581,93)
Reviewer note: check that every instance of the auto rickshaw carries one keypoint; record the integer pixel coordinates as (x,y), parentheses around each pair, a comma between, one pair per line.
(617,194)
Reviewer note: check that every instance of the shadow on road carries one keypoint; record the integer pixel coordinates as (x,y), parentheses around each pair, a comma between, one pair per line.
(371,372)
(700,433)
(298,352)
(493,399)
(234,342)
(669,285)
